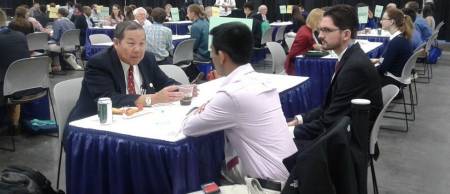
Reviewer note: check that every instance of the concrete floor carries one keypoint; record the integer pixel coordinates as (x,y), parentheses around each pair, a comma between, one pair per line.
(413,162)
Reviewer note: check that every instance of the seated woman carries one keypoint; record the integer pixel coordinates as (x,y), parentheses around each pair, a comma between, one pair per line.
(199,32)
(304,40)
(115,17)
(20,22)
(399,48)
(297,18)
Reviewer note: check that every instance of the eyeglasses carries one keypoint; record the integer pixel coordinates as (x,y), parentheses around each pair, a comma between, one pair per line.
(327,30)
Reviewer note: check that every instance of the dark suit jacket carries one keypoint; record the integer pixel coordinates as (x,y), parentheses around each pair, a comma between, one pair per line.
(357,78)
(80,23)
(104,77)
(256,30)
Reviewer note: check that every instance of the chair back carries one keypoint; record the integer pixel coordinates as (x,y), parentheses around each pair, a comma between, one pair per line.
(279,36)
(70,39)
(37,41)
(184,52)
(430,41)
(99,38)
(175,73)
(409,66)
(66,94)
(289,41)
(439,26)
(36,71)
(267,36)
(389,92)
(278,55)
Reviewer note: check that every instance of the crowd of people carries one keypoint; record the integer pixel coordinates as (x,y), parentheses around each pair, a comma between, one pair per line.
(247,109)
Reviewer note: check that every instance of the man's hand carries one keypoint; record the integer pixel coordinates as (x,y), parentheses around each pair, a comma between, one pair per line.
(293,123)
(167,94)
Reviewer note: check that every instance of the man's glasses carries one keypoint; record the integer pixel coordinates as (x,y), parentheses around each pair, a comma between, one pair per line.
(327,30)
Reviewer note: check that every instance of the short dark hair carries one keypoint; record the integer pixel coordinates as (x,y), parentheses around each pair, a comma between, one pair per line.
(249,5)
(427,10)
(158,15)
(344,17)
(122,27)
(63,12)
(235,39)
(412,14)
(414,6)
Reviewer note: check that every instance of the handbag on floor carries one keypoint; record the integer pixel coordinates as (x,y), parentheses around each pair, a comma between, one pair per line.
(24,180)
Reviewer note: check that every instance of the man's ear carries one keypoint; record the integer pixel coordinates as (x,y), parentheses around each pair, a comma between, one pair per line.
(222,57)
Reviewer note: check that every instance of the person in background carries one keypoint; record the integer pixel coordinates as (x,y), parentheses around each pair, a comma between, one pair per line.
(429,16)
(246,108)
(399,48)
(391,5)
(262,13)
(77,12)
(149,13)
(303,11)
(256,26)
(116,16)
(13,46)
(41,15)
(61,25)
(297,18)
(83,22)
(140,16)
(199,32)
(420,23)
(371,23)
(226,6)
(70,8)
(128,13)
(304,40)
(416,39)
(94,13)
(167,8)
(20,22)
(208,11)
(126,73)
(159,38)
(35,9)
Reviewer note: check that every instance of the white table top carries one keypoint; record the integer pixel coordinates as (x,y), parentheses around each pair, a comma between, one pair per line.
(180,37)
(105,27)
(103,44)
(374,33)
(281,23)
(366,46)
(164,121)
(179,22)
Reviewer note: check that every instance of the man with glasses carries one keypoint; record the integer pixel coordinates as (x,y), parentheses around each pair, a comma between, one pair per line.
(354,77)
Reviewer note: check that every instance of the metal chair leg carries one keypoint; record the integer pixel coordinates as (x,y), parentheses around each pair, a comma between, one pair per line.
(59,166)
(374,177)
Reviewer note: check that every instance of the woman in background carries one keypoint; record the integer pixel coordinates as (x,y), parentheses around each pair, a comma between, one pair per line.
(115,17)
(20,22)
(297,18)
(428,16)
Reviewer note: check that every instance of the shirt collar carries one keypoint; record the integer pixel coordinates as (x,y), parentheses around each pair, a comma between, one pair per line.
(345,50)
(237,73)
(394,35)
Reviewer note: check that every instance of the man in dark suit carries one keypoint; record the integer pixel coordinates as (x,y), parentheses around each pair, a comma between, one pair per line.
(126,74)
(83,22)
(355,76)
(256,28)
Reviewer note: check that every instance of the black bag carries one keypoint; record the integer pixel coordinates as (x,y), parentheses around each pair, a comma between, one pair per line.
(24,180)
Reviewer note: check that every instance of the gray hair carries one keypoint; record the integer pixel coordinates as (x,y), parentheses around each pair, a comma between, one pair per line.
(122,27)
(140,9)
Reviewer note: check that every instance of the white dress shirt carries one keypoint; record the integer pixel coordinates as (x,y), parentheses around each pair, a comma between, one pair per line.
(249,111)
(222,3)
(136,75)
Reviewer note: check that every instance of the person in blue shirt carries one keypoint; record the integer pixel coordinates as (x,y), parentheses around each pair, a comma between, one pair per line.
(399,48)
(416,40)
(420,23)
(199,31)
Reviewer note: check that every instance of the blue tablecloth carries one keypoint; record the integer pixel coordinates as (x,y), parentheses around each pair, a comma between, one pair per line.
(178,28)
(105,162)
(320,71)
(90,50)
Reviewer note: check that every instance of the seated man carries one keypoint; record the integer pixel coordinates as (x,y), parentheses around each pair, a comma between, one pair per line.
(246,108)
(13,46)
(355,76)
(126,74)
(159,38)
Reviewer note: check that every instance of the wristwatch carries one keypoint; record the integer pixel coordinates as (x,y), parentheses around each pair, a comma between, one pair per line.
(148,100)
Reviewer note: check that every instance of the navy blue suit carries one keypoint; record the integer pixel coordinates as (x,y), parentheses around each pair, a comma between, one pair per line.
(104,77)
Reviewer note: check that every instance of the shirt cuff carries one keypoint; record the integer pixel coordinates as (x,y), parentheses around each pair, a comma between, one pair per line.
(299,119)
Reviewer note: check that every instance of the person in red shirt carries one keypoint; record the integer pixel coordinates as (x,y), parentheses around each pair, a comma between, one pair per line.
(304,40)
